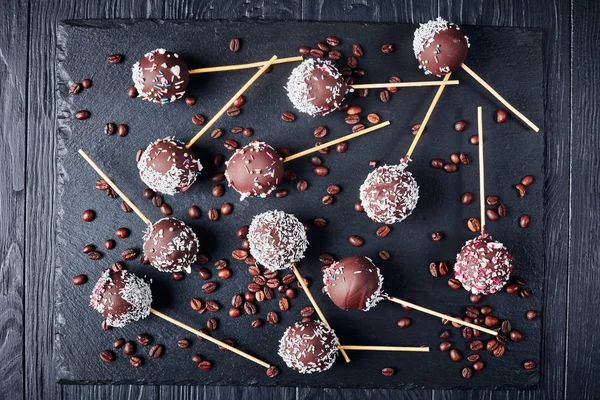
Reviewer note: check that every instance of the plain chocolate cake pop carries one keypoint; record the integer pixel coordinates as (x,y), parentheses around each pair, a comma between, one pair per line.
(254,170)
(166,166)
(277,240)
(121,297)
(389,194)
(440,46)
(353,283)
(160,76)
(308,347)
(171,245)
(483,265)
(316,87)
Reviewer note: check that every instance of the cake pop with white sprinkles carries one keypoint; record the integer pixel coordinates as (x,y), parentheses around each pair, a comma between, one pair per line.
(316,87)
(121,297)
(389,194)
(254,170)
(353,283)
(171,245)
(160,76)
(308,347)
(277,240)
(483,265)
(168,167)
(440,47)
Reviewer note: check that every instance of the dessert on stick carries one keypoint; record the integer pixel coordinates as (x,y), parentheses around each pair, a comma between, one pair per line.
(169,166)
(122,297)
(161,76)
(483,265)
(256,170)
(441,48)
(316,87)
(355,283)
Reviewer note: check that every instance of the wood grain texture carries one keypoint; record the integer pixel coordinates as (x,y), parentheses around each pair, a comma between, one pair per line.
(583,280)
(13,87)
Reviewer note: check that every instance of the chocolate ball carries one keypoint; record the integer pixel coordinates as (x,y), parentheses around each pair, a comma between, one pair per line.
(171,245)
(389,194)
(441,47)
(277,240)
(166,166)
(254,170)
(121,297)
(160,76)
(309,346)
(316,87)
(483,265)
(353,283)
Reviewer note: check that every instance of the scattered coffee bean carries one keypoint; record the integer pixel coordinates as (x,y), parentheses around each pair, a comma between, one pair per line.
(387,371)
(502,210)
(466,372)
(212,306)
(75,88)
(234,45)
(327,200)
(115,58)
(341,147)
(156,351)
(415,129)
(524,221)
(205,365)
(384,96)
(464,158)
(144,339)
(478,365)
(233,111)
(358,207)
(445,346)
(516,335)
(136,361)
(387,48)
(198,119)
(437,163)
(357,50)
(454,157)
(506,327)
(501,116)
(209,287)
(166,210)
(79,279)
(455,355)
(304,50)
(433,270)
(404,322)
(109,244)
(492,215)
(234,312)
(239,101)
(443,268)
(117,266)
(384,255)
(527,180)
(473,225)
(529,365)
(272,318)
(157,200)
(474,140)
(284,304)
(475,298)
(321,171)
(531,315)
(436,236)
(492,200)
(132,92)
(213,214)
(491,321)
(107,356)
(122,130)
(239,254)
(94,255)
(450,167)
(333,41)
(122,233)
(524,293)
(356,240)
(454,283)
(460,126)
(521,189)
(317,53)
(485,310)
(383,231)
(88,215)
(287,116)
(476,345)
(129,254)
(129,348)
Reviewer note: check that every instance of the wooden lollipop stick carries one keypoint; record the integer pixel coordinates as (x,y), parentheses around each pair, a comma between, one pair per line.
(500,98)
(336,141)
(426,119)
(440,315)
(209,338)
(316,307)
(404,84)
(230,102)
(386,348)
(114,187)
(235,67)
(481,174)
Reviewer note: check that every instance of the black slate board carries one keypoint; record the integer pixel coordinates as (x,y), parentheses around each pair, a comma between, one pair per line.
(509,59)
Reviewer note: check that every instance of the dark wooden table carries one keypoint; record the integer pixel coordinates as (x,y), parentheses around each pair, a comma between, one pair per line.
(28,178)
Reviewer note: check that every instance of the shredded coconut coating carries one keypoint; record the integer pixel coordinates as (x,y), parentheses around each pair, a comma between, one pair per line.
(298,89)
(389,194)
(277,240)
(179,177)
(483,265)
(185,243)
(159,89)
(309,347)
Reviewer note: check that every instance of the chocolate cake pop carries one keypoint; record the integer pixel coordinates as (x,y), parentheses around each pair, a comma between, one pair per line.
(254,170)
(277,240)
(309,346)
(389,194)
(353,283)
(166,166)
(483,265)
(160,76)
(316,87)
(121,297)
(171,245)
(440,46)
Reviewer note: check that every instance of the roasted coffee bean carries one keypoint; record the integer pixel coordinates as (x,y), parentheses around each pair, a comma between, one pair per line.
(333,189)
(529,365)
(450,167)
(476,345)
(467,198)
(94,255)
(474,140)
(498,351)
(110,192)
(326,259)
(183,343)
(354,110)
(129,348)
(455,158)
(157,200)
(236,129)
(491,321)
(196,359)
(196,304)
(220,264)
(357,128)
(117,266)
(516,335)
(212,306)
(321,171)
(492,345)
(239,254)
(118,343)
(524,221)
(101,184)
(373,118)
(492,200)
(445,346)
(356,240)
(527,180)
(362,92)
(75,88)
(143,339)
(327,200)
(352,119)
(333,41)
(272,318)
(317,53)
(501,116)
(521,189)
(387,371)
(107,356)
(478,365)
(218,190)
(287,116)
(485,310)
(260,280)
(471,312)
(492,215)
(358,207)
(166,210)
(531,315)
(109,244)
(352,62)
(384,96)
(467,333)
(190,100)
(233,111)
(524,293)
(234,45)
(475,298)
(273,282)
(132,92)
(433,270)
(212,324)
(415,129)
(254,287)
(357,50)
(284,304)
(268,292)
(209,287)
(511,288)
(79,279)
(387,48)
(384,255)
(506,327)
(334,55)
(205,365)
(437,163)
(466,372)
(198,119)
(383,231)
(455,355)
(122,130)
(473,357)
(115,58)
(88,215)
(136,361)
(341,147)
(250,308)
(404,322)
(129,254)
(436,236)
(304,50)
(445,335)
(454,283)
(224,273)
(502,210)
(82,115)
(460,126)
(464,158)
(156,351)
(122,233)
(149,194)
(109,130)
(473,225)
(272,371)
(105,326)
(216,133)
(234,312)
(213,214)
(257,323)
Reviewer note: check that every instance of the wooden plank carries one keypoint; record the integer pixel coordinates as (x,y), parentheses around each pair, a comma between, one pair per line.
(13,86)
(583,279)
(114,392)
(41,177)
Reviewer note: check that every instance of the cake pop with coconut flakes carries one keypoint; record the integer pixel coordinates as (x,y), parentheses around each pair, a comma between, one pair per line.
(167,166)
(316,87)
(440,46)
(121,297)
(160,76)
(389,194)
(171,245)
(277,240)
(309,346)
